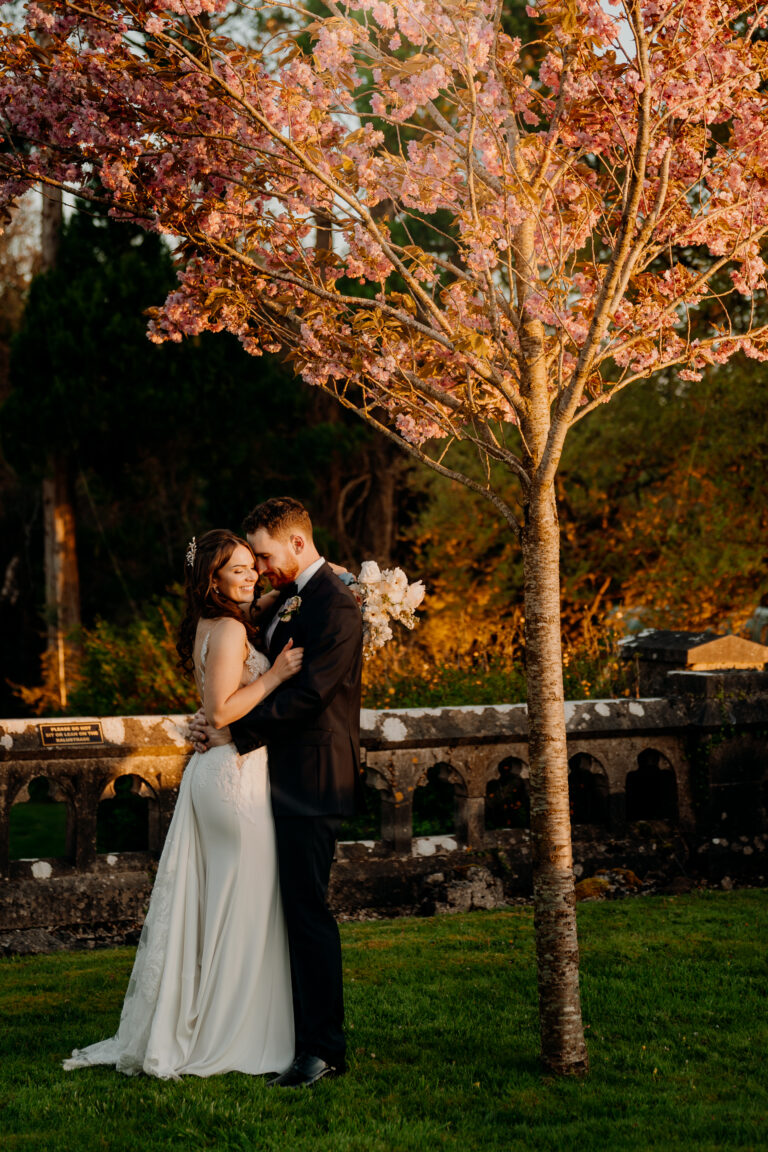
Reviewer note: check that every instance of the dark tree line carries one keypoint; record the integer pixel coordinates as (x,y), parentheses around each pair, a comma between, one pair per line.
(160,442)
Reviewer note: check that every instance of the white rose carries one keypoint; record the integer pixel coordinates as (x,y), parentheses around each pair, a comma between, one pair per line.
(393,592)
(369,573)
(373,615)
(414,594)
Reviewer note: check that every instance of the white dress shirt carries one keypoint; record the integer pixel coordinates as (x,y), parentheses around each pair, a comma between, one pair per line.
(301,581)
(304,577)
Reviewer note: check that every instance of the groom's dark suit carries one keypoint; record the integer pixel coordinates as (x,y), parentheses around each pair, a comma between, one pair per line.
(311,727)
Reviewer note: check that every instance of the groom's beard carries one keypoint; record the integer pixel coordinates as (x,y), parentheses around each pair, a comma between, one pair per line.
(279,577)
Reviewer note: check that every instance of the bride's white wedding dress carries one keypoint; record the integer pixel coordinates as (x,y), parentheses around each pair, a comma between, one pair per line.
(210,989)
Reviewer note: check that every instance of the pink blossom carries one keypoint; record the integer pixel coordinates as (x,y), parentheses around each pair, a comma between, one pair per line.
(417,430)
(246,160)
(41,18)
(383,14)
(333,47)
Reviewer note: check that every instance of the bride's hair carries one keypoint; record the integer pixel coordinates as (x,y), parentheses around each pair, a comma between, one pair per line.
(208,554)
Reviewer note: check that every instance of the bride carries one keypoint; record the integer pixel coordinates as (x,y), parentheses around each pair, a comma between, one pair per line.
(210,990)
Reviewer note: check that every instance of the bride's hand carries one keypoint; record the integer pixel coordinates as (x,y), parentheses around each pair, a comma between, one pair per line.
(343,574)
(288,662)
(203,735)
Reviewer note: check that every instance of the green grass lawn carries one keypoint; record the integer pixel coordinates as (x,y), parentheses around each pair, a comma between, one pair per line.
(443,1044)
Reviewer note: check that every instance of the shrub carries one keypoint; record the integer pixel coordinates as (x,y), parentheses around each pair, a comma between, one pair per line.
(132,669)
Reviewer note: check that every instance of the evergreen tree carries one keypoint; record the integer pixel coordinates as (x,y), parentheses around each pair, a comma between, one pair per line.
(163,442)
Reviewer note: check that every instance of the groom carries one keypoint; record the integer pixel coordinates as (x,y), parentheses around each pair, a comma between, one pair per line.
(311,727)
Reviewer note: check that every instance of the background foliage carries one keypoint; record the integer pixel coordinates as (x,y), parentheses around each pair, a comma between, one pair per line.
(662,503)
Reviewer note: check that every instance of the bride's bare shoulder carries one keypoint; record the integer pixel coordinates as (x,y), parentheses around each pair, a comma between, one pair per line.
(226,630)
(222,632)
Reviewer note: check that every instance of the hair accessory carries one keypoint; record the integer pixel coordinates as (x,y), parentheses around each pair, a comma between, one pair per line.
(191,550)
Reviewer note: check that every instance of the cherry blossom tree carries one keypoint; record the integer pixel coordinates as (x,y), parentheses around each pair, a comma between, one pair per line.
(462,238)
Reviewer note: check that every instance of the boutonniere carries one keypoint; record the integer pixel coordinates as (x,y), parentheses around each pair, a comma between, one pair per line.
(289,609)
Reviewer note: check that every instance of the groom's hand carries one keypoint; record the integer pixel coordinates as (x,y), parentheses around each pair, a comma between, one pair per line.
(204,736)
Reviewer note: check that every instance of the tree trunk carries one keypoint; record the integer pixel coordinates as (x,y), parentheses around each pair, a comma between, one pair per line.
(62,583)
(557,950)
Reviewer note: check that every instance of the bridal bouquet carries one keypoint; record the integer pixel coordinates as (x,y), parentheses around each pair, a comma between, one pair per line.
(384,595)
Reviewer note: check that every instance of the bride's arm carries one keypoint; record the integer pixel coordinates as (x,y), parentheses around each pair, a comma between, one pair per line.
(224,700)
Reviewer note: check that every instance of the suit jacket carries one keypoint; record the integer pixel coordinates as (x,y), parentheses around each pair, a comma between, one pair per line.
(311,723)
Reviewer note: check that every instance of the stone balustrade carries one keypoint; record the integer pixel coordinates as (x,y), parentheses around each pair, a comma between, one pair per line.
(695,759)
(473,746)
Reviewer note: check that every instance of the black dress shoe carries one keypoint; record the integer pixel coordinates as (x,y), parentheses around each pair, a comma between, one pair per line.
(304,1072)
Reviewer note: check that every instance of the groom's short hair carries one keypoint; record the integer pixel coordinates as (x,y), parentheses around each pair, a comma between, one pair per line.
(279,517)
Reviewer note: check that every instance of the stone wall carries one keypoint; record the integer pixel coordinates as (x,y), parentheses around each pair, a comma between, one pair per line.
(669,790)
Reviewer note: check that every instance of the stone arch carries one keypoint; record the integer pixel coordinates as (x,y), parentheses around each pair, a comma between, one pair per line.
(435,799)
(507,802)
(41,821)
(651,788)
(128,816)
(396,773)
(588,790)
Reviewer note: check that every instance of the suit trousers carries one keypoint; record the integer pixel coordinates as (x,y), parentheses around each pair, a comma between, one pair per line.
(305,848)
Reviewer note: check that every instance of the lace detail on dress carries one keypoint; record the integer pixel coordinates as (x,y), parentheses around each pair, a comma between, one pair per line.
(256,664)
(234,773)
(203,654)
